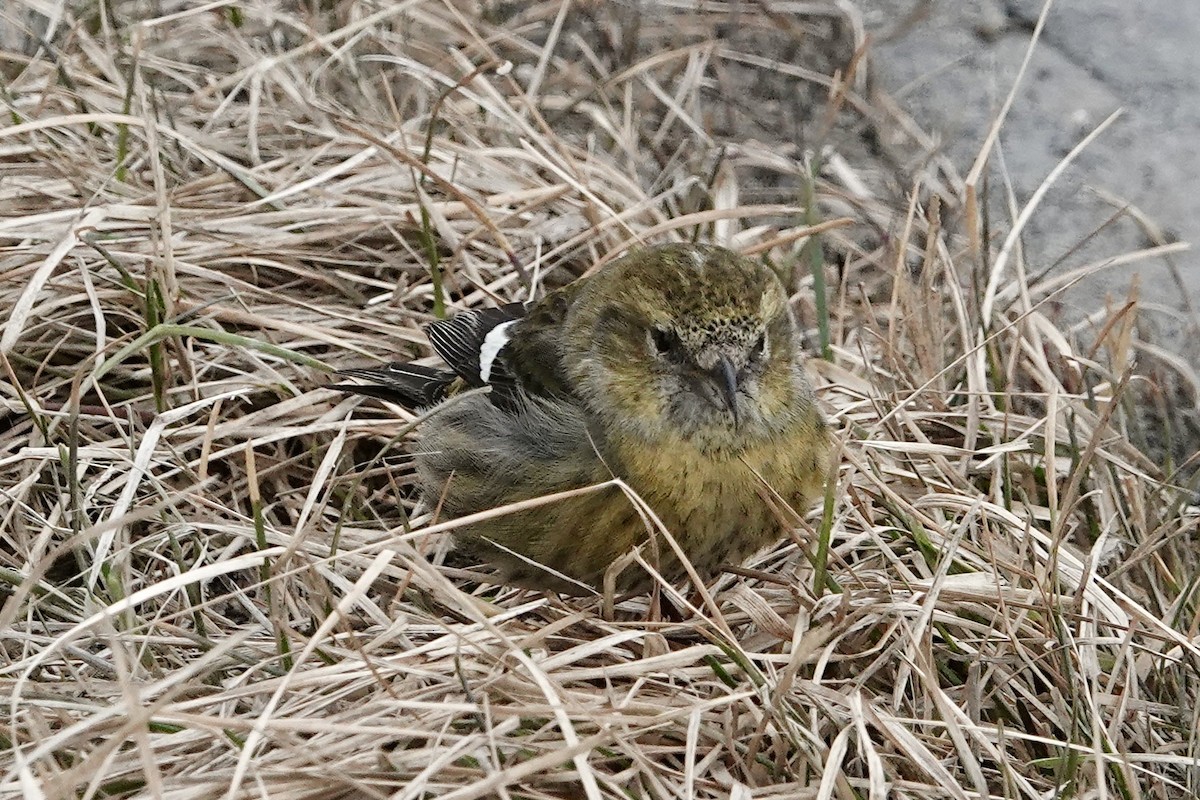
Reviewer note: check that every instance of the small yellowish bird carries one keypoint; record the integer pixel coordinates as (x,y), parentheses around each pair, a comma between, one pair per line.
(677,368)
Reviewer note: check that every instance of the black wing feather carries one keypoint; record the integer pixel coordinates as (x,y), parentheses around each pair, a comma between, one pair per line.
(410,385)
(458,341)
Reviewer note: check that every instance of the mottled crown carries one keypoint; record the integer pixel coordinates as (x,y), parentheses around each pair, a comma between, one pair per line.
(707,295)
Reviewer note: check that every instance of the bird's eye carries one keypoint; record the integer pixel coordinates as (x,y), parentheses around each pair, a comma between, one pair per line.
(758,350)
(662,340)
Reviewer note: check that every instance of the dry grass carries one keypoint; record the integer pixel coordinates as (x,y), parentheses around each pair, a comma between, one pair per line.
(214,579)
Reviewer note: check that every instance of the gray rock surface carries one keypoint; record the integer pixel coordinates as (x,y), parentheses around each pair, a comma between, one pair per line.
(951,63)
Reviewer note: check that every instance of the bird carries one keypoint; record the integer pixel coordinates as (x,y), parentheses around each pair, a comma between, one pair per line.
(677,369)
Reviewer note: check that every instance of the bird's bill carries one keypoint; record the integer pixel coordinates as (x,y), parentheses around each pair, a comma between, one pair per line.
(724,375)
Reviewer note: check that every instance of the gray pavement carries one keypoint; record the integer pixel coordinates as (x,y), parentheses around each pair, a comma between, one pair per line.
(952,66)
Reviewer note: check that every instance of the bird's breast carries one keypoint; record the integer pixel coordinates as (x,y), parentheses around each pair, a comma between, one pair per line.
(719,505)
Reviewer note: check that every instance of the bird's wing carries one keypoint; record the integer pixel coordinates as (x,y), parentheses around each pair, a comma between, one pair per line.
(534,351)
(410,385)
(515,349)
(469,343)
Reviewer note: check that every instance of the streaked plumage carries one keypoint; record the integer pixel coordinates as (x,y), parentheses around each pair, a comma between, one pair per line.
(677,368)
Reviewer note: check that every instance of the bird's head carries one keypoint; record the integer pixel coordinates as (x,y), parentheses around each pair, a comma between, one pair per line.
(688,341)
